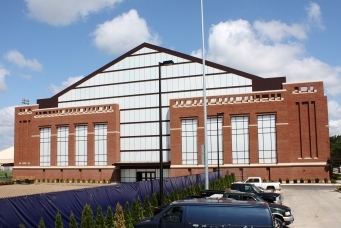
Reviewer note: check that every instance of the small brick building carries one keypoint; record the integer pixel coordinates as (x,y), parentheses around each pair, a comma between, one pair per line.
(106,126)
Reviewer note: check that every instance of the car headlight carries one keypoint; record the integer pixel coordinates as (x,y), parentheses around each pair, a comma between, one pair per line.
(287,213)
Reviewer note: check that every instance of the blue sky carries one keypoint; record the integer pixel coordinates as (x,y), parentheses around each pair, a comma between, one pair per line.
(46,45)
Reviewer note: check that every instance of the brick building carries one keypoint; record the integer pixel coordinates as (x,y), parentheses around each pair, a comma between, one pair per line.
(106,126)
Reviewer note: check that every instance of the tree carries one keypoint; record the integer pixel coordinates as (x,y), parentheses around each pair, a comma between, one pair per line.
(148,208)
(119,217)
(128,216)
(100,220)
(41,223)
(335,148)
(58,223)
(155,201)
(137,210)
(73,222)
(109,219)
(87,217)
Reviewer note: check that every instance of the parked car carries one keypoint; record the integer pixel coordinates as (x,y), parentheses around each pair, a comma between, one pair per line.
(203,212)
(281,213)
(210,192)
(257,181)
(270,197)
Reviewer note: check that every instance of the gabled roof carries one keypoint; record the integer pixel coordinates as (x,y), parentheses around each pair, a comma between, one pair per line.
(258,83)
(7,156)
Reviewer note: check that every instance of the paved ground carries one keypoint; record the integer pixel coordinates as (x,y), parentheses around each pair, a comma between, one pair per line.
(313,205)
(38,188)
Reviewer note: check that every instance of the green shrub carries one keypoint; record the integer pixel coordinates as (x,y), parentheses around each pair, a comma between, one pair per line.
(295,181)
(148,208)
(317,180)
(301,180)
(129,223)
(287,181)
(309,180)
(100,220)
(280,180)
(325,180)
(109,219)
(72,221)
(41,223)
(119,217)
(58,223)
(333,181)
(87,217)
(137,210)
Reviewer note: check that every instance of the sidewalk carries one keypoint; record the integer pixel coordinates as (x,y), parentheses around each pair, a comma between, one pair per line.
(39,188)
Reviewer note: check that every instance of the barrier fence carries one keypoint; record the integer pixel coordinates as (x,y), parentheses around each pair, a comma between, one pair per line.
(28,210)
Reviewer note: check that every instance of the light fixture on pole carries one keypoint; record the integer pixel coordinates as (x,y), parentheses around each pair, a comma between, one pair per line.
(161,64)
(218,114)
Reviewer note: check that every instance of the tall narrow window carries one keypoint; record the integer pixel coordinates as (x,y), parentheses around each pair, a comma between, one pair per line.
(214,140)
(81,145)
(45,146)
(101,144)
(62,146)
(267,138)
(189,134)
(240,140)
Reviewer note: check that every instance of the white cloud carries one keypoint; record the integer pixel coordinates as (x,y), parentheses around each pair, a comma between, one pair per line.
(276,31)
(3,73)
(123,33)
(56,89)
(274,49)
(315,15)
(6,127)
(65,12)
(17,58)
(257,49)
(335,127)
(334,109)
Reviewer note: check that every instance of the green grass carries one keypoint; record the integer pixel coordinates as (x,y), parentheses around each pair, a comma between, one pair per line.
(2,174)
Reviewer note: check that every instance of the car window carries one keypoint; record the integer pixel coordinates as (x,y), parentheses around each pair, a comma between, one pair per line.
(173,215)
(234,216)
(247,188)
(248,198)
(232,196)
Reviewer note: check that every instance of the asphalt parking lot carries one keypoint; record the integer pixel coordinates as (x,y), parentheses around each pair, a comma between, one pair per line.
(313,205)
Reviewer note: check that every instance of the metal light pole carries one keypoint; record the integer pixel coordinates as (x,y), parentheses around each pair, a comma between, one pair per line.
(218,114)
(204,96)
(164,63)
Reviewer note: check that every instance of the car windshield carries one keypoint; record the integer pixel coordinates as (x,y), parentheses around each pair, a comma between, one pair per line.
(258,190)
(259,199)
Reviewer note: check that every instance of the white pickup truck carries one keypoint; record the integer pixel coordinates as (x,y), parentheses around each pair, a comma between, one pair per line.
(257,181)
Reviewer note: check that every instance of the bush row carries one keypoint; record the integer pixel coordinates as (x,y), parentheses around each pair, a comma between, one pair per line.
(126,217)
(73,181)
(308,180)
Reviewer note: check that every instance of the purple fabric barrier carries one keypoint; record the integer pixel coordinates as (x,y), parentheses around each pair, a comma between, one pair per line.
(28,210)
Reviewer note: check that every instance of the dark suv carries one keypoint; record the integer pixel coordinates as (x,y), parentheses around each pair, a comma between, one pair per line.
(270,197)
(205,212)
(281,213)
